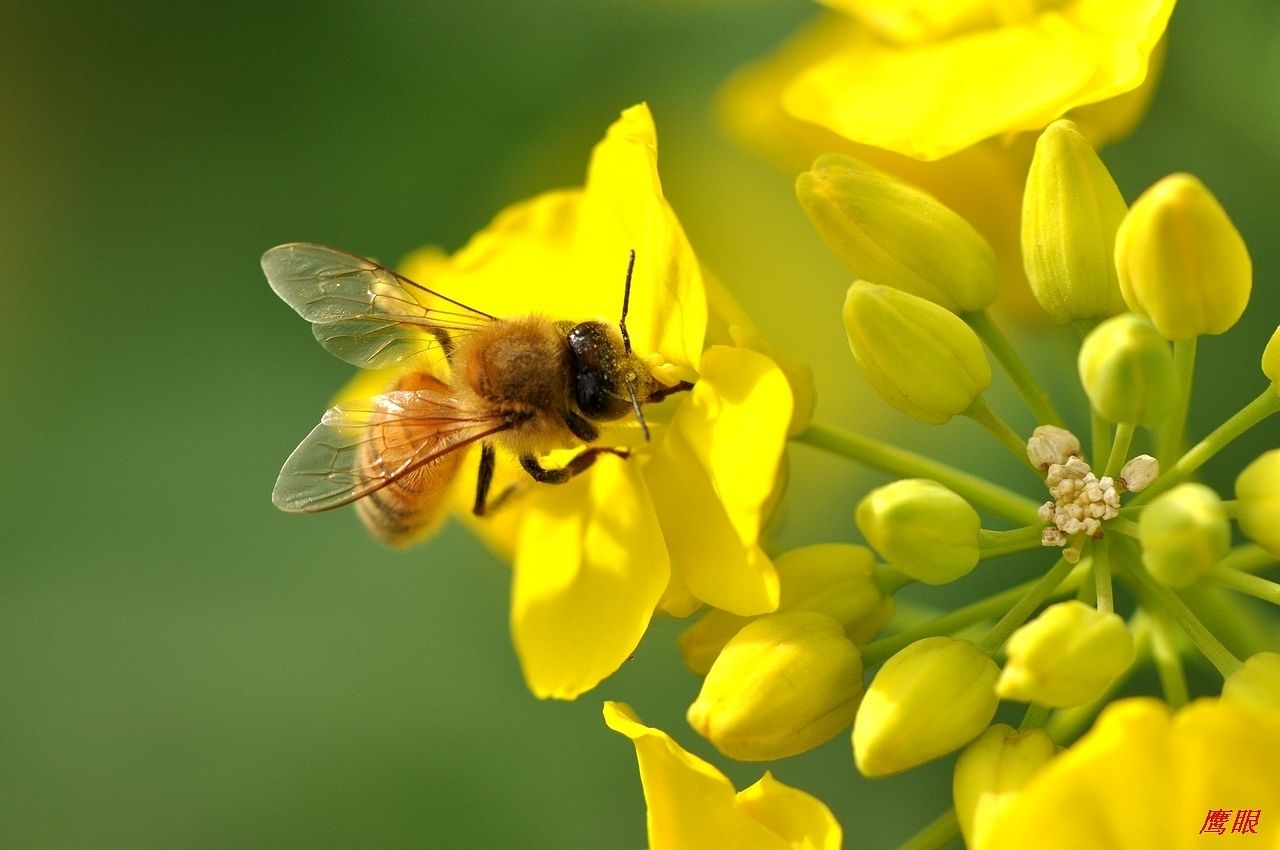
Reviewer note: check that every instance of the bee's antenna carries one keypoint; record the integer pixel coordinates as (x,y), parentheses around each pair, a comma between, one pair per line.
(635,403)
(622,326)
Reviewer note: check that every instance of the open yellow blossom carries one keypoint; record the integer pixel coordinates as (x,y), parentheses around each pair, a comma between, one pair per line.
(937,94)
(1144,778)
(693,806)
(677,523)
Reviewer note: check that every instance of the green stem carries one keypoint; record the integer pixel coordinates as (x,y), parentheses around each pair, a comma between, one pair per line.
(1249,558)
(1035,717)
(937,835)
(1231,507)
(996,543)
(1030,390)
(1164,598)
(950,623)
(1164,649)
(1251,414)
(982,493)
(1171,434)
(1120,449)
(1037,593)
(1101,438)
(1127,527)
(981,413)
(1102,576)
(1260,588)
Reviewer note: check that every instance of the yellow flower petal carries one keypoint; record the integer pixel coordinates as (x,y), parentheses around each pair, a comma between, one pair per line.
(933,100)
(623,209)
(590,566)
(918,20)
(692,806)
(1142,779)
(518,264)
(712,475)
(800,819)
(729,324)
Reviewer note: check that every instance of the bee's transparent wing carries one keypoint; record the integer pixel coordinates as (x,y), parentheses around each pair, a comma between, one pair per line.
(364,312)
(363,446)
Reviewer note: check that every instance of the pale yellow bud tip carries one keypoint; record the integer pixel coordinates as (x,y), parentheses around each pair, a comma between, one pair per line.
(784,684)
(1181,261)
(1256,683)
(892,233)
(1184,533)
(1128,373)
(991,771)
(920,358)
(922,528)
(928,700)
(1066,656)
(1258,501)
(1071,211)
(1271,358)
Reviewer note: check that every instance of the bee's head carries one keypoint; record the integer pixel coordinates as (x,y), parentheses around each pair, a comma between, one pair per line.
(609,381)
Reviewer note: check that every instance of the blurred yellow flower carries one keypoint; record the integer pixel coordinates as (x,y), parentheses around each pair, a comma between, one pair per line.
(678,522)
(939,94)
(928,88)
(692,806)
(1145,779)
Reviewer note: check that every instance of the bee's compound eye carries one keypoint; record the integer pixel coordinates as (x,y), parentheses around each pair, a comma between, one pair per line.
(597,358)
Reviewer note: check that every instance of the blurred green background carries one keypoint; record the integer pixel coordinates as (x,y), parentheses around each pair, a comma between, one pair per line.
(181,666)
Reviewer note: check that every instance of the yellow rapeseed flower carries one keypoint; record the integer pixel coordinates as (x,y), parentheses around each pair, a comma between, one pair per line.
(897,82)
(678,522)
(693,806)
(1144,779)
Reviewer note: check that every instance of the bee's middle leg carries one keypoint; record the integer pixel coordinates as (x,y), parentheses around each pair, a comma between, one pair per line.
(484,480)
(579,463)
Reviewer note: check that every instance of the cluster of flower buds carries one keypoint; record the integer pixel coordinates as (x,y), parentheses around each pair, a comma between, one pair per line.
(1081,500)
(782,683)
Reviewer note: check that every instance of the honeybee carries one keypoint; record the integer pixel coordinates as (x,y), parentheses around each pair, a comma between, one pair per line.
(526,383)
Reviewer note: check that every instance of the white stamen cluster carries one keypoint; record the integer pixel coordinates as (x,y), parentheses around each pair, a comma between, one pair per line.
(1081,501)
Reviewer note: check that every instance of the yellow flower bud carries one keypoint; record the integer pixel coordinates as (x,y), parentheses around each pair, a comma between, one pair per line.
(1256,683)
(1271,358)
(836,579)
(922,528)
(1066,656)
(896,235)
(1127,371)
(991,771)
(1181,260)
(784,684)
(1071,210)
(931,698)
(1184,533)
(1258,501)
(921,359)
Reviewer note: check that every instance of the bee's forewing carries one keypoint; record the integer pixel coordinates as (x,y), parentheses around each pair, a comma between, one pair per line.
(361,311)
(363,446)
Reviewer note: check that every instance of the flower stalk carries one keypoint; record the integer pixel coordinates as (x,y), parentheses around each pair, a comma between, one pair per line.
(1028,387)
(907,464)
